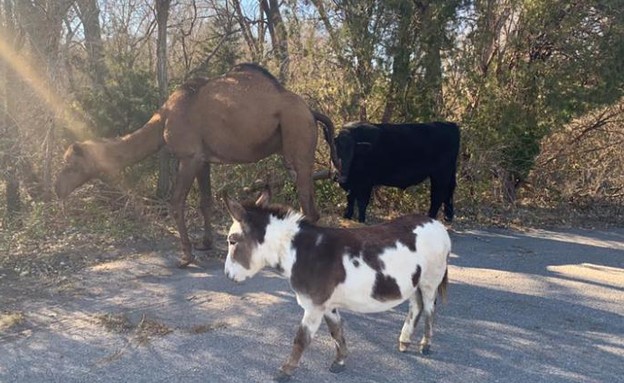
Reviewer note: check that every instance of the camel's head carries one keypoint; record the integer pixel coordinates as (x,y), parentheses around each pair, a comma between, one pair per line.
(79,168)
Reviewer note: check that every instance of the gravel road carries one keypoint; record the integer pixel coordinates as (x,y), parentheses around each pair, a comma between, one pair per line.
(530,306)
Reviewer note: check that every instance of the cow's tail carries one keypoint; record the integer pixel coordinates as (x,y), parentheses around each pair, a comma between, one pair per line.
(328,133)
(443,286)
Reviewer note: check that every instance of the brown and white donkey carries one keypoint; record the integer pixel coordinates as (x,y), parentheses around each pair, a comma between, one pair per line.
(368,269)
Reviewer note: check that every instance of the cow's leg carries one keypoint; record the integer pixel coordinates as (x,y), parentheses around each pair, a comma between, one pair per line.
(336,330)
(350,205)
(428,300)
(415,309)
(205,204)
(363,198)
(438,194)
(449,210)
(187,170)
(309,325)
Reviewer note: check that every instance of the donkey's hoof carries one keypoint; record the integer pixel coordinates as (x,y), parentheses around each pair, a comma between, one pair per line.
(282,377)
(403,346)
(184,262)
(425,349)
(337,367)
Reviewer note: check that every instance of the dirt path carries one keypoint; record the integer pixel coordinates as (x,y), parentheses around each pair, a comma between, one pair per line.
(535,306)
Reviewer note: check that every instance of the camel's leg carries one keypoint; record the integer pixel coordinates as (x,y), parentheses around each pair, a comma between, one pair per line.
(187,170)
(205,204)
(305,192)
(299,136)
(336,330)
(301,173)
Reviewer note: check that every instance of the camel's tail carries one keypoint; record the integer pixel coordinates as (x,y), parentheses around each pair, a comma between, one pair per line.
(328,132)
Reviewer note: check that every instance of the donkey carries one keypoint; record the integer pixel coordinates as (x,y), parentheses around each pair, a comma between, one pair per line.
(368,269)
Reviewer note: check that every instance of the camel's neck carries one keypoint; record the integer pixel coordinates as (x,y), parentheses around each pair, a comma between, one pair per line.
(137,145)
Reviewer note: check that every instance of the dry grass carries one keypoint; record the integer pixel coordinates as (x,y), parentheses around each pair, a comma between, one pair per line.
(142,332)
(208,327)
(10,319)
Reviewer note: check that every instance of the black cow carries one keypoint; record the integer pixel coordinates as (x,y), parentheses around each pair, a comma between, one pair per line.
(399,155)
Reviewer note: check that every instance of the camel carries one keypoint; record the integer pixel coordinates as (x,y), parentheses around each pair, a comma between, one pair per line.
(240,117)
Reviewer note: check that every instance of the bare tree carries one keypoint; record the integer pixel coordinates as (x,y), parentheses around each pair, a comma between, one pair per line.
(9,135)
(43,21)
(166,163)
(89,14)
(279,36)
(255,45)
(401,49)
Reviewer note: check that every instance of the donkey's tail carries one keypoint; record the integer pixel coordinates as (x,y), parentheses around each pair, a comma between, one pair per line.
(443,286)
(328,133)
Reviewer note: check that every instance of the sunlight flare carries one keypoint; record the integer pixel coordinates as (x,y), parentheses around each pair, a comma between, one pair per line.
(39,84)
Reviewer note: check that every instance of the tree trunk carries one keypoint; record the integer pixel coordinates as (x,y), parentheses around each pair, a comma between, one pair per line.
(254,46)
(9,135)
(432,35)
(401,61)
(43,23)
(166,162)
(89,14)
(279,37)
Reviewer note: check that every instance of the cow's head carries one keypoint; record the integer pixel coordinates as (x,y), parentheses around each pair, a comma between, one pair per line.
(246,234)
(79,168)
(348,149)
(345,146)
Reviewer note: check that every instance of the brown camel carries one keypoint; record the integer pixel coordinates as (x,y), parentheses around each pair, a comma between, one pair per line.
(240,117)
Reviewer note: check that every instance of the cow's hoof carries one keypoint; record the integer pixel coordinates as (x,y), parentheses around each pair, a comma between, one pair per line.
(403,346)
(282,377)
(337,367)
(425,349)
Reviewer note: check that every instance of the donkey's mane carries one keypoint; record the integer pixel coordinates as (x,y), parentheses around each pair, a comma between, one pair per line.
(274,209)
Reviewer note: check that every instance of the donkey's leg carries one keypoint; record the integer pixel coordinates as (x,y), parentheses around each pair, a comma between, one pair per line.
(205,204)
(336,330)
(428,297)
(187,169)
(415,309)
(309,325)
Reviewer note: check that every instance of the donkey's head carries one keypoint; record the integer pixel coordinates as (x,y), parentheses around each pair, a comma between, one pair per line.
(246,235)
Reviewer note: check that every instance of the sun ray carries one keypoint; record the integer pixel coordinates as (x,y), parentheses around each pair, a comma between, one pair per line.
(39,84)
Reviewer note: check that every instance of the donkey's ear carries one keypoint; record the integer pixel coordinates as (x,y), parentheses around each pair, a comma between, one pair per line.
(265,197)
(236,210)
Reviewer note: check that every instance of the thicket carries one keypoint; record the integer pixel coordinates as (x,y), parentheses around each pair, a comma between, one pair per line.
(536,85)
